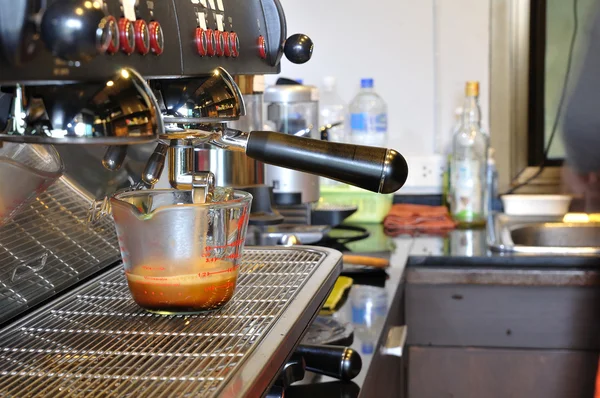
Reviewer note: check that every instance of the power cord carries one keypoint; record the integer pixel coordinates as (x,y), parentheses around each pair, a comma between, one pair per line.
(563,95)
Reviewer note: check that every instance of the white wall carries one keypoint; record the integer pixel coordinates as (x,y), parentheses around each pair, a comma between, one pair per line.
(420,53)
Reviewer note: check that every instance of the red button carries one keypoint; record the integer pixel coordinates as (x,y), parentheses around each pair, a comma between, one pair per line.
(262,47)
(220,50)
(113,46)
(227,44)
(201,42)
(142,36)
(126,36)
(157,41)
(234,42)
(211,46)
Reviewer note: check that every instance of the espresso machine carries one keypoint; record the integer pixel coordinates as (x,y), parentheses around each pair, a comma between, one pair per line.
(109,96)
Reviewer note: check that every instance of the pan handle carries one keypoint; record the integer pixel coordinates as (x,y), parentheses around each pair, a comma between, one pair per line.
(379,170)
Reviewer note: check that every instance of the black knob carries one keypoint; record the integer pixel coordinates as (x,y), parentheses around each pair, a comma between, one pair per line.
(343,363)
(76,30)
(298,48)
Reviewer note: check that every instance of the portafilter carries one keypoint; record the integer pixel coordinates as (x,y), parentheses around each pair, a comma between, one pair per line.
(196,111)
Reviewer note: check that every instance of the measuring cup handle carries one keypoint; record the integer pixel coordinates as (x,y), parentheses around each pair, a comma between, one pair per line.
(375,169)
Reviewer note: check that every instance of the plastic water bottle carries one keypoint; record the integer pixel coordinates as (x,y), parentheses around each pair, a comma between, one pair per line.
(491,181)
(368,117)
(369,309)
(332,111)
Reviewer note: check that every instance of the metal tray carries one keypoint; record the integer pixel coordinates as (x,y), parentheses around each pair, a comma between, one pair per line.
(50,246)
(95,341)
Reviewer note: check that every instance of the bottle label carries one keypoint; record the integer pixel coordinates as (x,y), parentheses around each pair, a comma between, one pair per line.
(365,123)
(467,190)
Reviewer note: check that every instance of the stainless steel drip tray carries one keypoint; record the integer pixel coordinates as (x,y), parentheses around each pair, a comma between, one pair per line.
(95,341)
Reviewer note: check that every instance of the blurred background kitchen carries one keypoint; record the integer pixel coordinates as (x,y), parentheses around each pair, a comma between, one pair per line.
(420,54)
(490,311)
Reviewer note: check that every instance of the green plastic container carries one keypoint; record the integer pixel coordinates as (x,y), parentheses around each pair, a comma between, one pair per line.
(372,207)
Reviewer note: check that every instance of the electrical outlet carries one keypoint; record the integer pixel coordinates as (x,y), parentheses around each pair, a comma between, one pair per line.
(425,175)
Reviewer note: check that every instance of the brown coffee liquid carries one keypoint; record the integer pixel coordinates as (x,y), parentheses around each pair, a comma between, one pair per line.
(210,288)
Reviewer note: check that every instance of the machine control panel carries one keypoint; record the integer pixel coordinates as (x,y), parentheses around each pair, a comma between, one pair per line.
(87,40)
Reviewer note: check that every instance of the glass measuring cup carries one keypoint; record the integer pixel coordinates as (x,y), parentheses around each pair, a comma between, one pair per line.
(181,257)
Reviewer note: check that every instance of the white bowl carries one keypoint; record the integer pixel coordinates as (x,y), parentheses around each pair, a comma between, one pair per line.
(536,205)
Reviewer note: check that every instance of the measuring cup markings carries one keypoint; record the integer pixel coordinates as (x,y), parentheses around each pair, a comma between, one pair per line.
(226,285)
(154,283)
(242,221)
(208,273)
(155,278)
(223,251)
(232,244)
(149,268)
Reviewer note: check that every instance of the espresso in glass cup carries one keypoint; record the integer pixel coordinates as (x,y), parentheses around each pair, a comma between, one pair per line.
(180,256)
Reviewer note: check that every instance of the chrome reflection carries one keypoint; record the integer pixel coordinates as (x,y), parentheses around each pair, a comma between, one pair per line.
(213,99)
(122,110)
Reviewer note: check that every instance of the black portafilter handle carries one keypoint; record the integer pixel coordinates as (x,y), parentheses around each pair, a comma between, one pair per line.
(340,362)
(375,169)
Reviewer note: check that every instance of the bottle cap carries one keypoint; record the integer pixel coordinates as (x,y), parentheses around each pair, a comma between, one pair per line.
(329,83)
(472,89)
(366,83)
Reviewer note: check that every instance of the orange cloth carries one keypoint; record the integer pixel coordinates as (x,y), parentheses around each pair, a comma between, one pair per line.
(597,393)
(407,218)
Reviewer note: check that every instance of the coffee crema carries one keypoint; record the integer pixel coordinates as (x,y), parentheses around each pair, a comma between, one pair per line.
(209,289)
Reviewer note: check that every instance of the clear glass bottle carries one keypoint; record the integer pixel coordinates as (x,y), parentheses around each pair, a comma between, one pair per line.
(491,181)
(446,199)
(368,117)
(469,164)
(332,117)
(332,110)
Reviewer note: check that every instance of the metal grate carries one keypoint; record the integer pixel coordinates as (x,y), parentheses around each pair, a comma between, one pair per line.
(98,342)
(50,246)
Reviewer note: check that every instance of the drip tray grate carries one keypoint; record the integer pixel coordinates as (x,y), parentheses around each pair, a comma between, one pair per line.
(97,342)
(50,246)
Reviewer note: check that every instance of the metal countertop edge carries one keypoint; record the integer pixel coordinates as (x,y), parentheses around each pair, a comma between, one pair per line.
(267,368)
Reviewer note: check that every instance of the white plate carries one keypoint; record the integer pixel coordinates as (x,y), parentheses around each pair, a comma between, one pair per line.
(536,205)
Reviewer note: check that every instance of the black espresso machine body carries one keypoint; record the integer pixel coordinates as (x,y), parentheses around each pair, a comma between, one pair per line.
(167,39)
(63,52)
